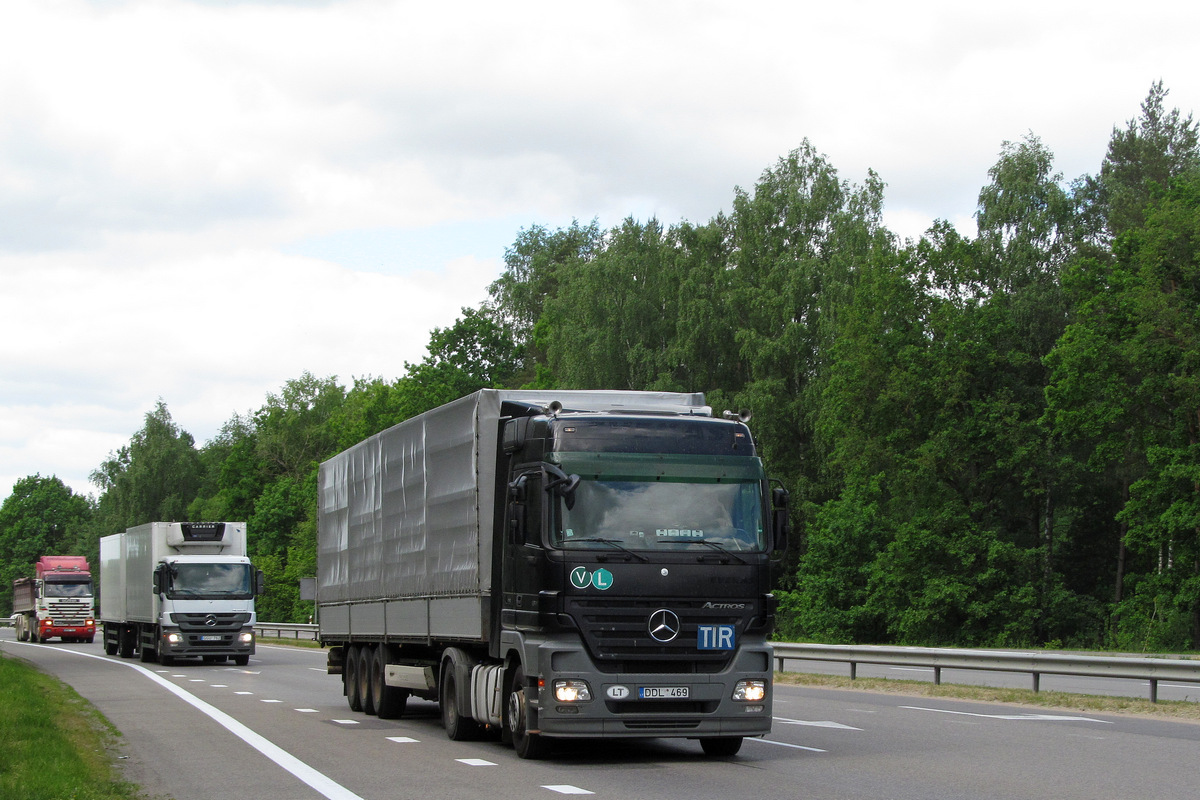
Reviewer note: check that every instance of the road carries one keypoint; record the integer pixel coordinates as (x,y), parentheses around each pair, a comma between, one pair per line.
(279,729)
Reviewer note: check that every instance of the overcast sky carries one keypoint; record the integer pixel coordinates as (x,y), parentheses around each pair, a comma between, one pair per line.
(199,201)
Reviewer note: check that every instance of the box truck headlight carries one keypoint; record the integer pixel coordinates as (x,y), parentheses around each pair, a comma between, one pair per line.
(572,691)
(750,691)
(246,638)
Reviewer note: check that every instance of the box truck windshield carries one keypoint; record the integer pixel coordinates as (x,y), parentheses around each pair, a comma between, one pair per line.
(218,581)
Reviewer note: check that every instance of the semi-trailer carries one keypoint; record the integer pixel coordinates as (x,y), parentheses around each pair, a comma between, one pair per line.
(554,565)
(57,601)
(172,590)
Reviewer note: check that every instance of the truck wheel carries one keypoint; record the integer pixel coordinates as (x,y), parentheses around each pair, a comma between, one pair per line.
(350,676)
(528,745)
(458,728)
(110,643)
(126,643)
(389,700)
(241,661)
(147,655)
(366,695)
(721,746)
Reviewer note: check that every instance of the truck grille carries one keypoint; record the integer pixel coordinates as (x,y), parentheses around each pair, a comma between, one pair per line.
(617,634)
(70,612)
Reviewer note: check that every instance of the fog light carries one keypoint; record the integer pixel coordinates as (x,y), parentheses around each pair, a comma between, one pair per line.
(572,691)
(750,691)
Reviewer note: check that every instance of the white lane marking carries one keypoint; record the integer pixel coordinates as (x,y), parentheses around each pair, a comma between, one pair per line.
(219,686)
(270,701)
(195,680)
(566,788)
(306,710)
(346,721)
(475,762)
(318,781)
(403,739)
(785,744)
(1033,717)
(243,692)
(816,724)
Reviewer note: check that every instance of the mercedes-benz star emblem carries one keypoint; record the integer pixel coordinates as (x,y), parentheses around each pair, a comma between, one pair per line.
(210,621)
(663,625)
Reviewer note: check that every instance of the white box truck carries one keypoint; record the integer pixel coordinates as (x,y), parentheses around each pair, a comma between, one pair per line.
(172,590)
(555,565)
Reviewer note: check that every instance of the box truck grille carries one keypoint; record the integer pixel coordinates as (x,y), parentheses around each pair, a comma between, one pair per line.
(617,634)
(210,623)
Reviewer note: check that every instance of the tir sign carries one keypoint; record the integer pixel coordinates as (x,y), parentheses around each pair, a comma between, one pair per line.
(714,637)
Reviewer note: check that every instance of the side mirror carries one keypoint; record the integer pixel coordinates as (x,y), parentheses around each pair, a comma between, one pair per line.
(780,524)
(562,484)
(516,509)
(158,579)
(260,583)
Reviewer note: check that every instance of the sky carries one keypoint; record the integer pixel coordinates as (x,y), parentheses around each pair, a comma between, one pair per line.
(202,200)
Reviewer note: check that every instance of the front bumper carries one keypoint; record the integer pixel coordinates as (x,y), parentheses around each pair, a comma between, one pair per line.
(182,644)
(617,707)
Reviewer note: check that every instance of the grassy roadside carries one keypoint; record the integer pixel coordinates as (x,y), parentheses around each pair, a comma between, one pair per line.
(54,745)
(1061,701)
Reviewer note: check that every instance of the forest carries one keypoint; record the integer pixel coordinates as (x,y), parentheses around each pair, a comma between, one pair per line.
(989,440)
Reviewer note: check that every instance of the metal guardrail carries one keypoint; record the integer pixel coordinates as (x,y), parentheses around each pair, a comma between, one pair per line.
(1033,663)
(279,630)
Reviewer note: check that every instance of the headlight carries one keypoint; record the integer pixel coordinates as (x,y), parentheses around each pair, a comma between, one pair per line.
(174,638)
(572,691)
(750,691)
(247,637)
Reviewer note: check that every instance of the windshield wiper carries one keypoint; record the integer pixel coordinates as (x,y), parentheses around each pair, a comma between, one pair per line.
(612,542)
(714,546)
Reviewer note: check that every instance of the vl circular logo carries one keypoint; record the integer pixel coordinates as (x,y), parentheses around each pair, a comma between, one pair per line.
(663,625)
(582,578)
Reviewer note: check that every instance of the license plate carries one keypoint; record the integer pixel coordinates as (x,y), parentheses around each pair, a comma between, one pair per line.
(68,630)
(211,638)
(660,692)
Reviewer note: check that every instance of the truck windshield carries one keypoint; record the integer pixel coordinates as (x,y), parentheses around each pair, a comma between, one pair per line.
(662,515)
(54,589)
(225,581)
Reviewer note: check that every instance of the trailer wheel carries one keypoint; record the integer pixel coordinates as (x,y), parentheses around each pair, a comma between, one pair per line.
(721,746)
(110,642)
(366,695)
(389,700)
(458,728)
(350,678)
(528,745)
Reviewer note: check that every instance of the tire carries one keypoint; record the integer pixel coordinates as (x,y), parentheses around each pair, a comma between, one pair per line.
(126,643)
(146,655)
(366,695)
(241,661)
(350,678)
(90,639)
(167,661)
(516,721)
(458,728)
(389,700)
(721,746)
(110,642)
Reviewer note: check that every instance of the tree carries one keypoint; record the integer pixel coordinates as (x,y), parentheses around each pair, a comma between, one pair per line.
(1143,159)
(154,478)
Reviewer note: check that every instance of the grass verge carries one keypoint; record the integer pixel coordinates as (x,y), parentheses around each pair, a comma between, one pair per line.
(1063,701)
(54,745)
